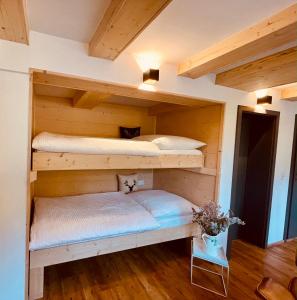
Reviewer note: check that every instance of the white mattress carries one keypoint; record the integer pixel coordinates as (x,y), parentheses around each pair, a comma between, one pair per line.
(163,204)
(180,152)
(91,145)
(63,220)
(174,221)
(50,142)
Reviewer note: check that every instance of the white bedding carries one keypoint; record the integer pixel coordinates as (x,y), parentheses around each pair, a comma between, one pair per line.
(163,204)
(51,142)
(180,152)
(174,221)
(63,220)
(91,145)
(171,142)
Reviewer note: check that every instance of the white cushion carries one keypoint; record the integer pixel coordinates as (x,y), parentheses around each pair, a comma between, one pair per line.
(171,142)
(128,183)
(163,204)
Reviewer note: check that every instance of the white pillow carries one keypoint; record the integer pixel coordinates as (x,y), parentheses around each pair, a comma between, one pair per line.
(163,204)
(128,183)
(171,142)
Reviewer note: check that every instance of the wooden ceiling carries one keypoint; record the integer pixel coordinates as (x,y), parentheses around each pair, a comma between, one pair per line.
(268,34)
(87,93)
(89,100)
(123,21)
(289,93)
(13,21)
(271,71)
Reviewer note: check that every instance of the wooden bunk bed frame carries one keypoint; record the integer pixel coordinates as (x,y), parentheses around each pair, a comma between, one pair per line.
(49,161)
(84,89)
(50,256)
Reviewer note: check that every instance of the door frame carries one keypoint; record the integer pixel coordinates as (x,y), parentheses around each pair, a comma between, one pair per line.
(251,110)
(291,182)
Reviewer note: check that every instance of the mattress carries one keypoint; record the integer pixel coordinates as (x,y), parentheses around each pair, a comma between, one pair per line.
(174,221)
(180,152)
(64,220)
(163,204)
(50,142)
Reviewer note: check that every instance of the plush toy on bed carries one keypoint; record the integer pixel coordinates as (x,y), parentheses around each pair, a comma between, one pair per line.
(129,133)
(128,183)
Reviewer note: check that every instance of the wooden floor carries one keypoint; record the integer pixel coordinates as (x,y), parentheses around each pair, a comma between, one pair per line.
(162,272)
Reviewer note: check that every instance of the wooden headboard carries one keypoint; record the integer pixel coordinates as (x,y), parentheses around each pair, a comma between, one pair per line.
(63,183)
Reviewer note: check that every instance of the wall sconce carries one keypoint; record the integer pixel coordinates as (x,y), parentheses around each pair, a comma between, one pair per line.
(264,100)
(151,76)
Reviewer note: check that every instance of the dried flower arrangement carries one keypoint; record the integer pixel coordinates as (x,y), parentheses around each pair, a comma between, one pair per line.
(212,220)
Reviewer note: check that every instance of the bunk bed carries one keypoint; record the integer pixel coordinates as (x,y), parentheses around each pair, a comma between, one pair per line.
(79,169)
(62,152)
(76,227)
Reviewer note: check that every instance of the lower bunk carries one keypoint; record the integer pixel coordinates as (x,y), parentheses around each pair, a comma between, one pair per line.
(71,228)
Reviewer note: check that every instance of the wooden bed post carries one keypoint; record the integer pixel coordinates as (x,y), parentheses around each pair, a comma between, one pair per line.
(36,283)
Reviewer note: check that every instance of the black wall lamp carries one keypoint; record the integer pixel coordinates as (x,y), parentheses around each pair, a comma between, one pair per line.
(151,76)
(264,100)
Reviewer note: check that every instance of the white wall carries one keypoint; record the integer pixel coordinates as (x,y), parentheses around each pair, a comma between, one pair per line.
(13,188)
(61,55)
(282,169)
(282,163)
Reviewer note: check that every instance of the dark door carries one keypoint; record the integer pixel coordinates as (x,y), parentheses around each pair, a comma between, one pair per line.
(253,174)
(291,220)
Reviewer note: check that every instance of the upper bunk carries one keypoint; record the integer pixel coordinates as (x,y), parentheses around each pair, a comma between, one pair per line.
(62,152)
(75,106)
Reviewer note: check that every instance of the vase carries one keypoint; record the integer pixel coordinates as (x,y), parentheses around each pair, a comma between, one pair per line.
(211,243)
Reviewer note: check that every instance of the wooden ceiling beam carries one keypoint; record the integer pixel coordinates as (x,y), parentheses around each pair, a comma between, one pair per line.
(289,93)
(270,71)
(88,100)
(122,22)
(89,85)
(13,21)
(270,33)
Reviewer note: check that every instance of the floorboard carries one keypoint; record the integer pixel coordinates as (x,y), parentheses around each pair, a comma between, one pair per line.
(162,272)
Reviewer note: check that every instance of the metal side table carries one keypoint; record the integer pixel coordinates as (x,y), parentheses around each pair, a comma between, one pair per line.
(219,258)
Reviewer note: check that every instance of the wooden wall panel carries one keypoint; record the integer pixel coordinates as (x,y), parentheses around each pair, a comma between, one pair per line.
(201,123)
(57,115)
(63,183)
(197,188)
(205,124)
